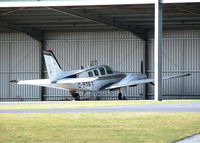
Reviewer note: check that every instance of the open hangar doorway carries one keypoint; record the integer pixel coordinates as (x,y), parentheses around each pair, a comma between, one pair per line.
(118,35)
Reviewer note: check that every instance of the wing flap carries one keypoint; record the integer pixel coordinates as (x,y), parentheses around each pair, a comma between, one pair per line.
(141,81)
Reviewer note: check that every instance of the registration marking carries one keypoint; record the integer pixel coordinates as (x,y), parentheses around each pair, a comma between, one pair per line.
(85,84)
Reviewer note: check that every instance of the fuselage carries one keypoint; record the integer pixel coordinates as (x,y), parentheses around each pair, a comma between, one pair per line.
(104,74)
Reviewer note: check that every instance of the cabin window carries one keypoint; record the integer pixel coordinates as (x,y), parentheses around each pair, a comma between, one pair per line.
(96,72)
(108,70)
(90,74)
(102,71)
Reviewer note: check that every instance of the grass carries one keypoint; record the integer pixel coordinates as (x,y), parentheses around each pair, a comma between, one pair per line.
(84,104)
(97,127)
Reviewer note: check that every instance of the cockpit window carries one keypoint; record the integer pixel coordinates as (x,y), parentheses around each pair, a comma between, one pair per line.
(96,72)
(90,74)
(108,70)
(102,71)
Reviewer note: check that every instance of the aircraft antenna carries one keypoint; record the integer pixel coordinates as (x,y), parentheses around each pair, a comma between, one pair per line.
(94,63)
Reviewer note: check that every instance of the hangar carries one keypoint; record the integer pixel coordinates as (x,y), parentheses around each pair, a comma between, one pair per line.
(117,33)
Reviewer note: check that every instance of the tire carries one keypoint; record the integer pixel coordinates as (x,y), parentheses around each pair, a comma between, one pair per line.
(124,98)
(77,96)
(120,96)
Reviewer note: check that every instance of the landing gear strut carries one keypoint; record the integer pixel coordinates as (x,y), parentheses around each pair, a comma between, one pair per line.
(75,95)
(122,93)
(120,96)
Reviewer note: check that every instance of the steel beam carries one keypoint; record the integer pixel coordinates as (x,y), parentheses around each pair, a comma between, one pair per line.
(189,9)
(72,3)
(158,51)
(35,34)
(146,57)
(179,1)
(41,67)
(40,3)
(102,19)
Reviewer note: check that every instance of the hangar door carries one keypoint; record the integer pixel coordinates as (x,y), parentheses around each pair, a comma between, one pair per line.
(20,60)
(120,50)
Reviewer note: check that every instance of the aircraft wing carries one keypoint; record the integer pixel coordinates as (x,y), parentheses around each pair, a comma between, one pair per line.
(60,84)
(134,82)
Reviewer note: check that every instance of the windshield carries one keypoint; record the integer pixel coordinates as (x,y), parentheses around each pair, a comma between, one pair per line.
(108,70)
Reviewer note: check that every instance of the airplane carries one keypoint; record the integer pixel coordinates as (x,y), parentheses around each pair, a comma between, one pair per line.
(91,78)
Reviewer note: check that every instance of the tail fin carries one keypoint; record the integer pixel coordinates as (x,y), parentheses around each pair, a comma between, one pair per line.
(54,69)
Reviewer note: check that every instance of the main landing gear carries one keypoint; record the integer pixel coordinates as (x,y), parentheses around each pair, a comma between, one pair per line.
(122,94)
(75,95)
(121,97)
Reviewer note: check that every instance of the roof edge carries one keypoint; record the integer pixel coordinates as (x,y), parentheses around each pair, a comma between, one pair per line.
(56,3)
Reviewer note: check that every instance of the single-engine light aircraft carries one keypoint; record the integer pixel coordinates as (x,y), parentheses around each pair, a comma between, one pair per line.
(91,78)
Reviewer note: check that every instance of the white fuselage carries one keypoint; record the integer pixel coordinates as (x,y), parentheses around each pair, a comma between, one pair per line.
(105,77)
(101,83)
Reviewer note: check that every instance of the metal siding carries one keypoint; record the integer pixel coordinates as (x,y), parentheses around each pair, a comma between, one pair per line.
(181,50)
(19,59)
(19,56)
(120,50)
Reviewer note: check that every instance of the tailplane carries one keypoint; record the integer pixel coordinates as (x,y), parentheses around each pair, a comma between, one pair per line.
(54,69)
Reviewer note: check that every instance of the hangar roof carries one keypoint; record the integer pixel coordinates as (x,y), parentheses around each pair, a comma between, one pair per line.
(135,17)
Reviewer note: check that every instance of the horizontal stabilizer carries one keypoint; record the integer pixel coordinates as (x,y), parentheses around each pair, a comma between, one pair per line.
(65,84)
(37,82)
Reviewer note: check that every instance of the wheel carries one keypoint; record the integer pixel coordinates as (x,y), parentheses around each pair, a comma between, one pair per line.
(120,96)
(124,98)
(77,97)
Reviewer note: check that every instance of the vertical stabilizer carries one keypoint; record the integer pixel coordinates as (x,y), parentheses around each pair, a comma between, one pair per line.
(54,70)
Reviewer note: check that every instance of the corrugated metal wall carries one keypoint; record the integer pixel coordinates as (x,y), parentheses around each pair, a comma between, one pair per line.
(120,50)
(19,59)
(181,54)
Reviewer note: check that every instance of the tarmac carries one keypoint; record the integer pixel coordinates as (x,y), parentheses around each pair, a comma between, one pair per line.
(192,139)
(193,107)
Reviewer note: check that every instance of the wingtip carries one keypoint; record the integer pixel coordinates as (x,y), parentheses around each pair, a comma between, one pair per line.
(188,74)
(14,81)
(47,52)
